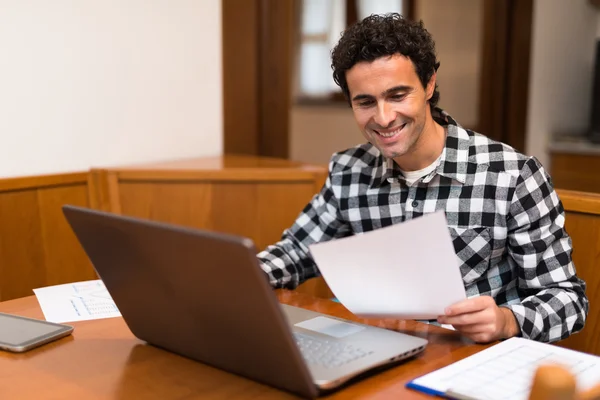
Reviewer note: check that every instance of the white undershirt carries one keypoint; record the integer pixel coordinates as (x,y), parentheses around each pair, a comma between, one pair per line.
(413,176)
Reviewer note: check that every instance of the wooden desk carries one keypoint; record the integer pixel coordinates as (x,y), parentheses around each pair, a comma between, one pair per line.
(103,360)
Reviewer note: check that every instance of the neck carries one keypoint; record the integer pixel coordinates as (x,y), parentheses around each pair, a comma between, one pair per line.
(428,147)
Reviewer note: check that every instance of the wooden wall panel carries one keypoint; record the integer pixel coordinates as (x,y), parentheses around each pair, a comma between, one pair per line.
(234,209)
(517,68)
(275,76)
(21,250)
(241,95)
(576,171)
(505,70)
(103,190)
(37,247)
(279,204)
(260,211)
(256,197)
(137,199)
(64,259)
(170,202)
(257,68)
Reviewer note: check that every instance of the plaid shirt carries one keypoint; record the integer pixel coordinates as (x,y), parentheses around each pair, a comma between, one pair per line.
(505,219)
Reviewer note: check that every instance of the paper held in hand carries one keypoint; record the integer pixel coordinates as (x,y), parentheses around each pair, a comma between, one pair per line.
(404,271)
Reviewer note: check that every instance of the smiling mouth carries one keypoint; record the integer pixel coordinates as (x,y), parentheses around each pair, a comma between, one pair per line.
(390,133)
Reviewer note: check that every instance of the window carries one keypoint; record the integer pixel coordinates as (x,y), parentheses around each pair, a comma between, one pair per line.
(321,24)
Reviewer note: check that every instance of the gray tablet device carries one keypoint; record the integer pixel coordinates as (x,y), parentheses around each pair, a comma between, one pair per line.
(19,334)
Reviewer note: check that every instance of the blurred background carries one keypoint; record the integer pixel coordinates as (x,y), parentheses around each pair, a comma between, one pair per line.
(94,83)
(519,71)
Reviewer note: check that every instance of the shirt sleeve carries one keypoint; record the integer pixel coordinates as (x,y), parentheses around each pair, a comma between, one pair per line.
(288,262)
(554,303)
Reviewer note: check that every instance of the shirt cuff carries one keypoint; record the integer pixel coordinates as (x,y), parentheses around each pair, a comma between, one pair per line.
(529,320)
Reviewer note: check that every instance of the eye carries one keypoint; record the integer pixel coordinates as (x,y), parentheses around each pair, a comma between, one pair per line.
(365,103)
(398,97)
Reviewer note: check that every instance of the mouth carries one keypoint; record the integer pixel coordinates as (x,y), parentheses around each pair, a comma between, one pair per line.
(390,133)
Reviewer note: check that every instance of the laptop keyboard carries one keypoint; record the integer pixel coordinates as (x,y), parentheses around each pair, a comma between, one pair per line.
(327,353)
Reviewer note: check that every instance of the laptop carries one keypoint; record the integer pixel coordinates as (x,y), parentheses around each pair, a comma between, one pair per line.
(203,295)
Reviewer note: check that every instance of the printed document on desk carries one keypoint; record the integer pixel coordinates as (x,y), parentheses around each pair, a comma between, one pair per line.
(404,271)
(77,301)
(505,371)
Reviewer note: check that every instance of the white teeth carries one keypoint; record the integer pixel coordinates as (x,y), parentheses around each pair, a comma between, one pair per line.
(390,134)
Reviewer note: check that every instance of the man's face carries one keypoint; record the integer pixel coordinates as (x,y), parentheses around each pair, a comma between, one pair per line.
(390,104)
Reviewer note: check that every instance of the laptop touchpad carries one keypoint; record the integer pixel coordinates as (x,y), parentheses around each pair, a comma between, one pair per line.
(330,326)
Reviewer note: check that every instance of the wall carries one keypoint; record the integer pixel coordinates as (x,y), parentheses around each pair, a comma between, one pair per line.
(316,132)
(107,82)
(560,80)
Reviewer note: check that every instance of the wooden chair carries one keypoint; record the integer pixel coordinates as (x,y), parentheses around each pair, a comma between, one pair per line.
(553,382)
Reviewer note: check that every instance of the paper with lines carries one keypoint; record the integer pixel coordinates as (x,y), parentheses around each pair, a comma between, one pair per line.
(77,301)
(506,370)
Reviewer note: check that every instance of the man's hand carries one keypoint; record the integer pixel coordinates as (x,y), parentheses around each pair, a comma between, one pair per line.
(480,319)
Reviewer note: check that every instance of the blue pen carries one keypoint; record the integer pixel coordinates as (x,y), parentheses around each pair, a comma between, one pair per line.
(449,394)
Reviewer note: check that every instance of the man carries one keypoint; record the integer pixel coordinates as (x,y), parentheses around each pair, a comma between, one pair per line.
(505,219)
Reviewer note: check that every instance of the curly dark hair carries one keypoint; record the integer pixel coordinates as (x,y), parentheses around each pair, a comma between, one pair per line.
(385,35)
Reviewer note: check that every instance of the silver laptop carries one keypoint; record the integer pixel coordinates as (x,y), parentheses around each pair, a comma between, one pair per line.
(203,295)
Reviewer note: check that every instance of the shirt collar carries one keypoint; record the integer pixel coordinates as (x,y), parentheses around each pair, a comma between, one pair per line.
(453,161)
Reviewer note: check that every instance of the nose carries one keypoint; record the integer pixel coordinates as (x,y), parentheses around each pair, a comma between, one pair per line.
(384,116)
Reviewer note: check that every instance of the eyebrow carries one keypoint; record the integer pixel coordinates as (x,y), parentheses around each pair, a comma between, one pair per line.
(399,88)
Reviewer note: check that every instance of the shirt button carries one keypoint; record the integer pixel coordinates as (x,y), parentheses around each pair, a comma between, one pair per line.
(415,203)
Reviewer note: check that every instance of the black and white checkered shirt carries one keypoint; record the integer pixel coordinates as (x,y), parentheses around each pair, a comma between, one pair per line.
(505,219)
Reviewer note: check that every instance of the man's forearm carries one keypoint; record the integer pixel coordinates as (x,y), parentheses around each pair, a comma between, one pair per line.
(287,264)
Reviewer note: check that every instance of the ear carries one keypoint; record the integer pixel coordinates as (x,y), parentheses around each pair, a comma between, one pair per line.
(431,86)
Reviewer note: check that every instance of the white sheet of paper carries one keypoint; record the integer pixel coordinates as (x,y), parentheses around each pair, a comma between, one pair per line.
(506,370)
(405,271)
(77,301)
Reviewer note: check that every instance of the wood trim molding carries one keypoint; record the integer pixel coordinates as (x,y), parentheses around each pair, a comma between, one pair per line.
(230,175)
(103,190)
(40,181)
(583,202)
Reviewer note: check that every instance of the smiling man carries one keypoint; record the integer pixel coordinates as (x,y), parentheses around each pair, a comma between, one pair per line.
(505,219)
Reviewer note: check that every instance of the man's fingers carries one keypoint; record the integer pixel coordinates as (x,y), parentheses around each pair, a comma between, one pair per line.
(477,318)
(474,318)
(469,306)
